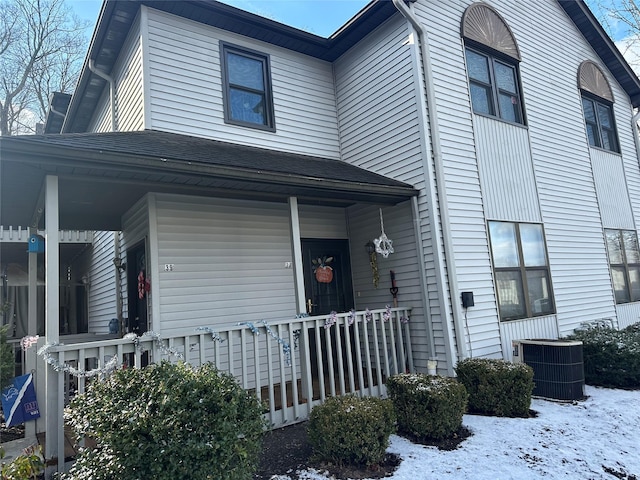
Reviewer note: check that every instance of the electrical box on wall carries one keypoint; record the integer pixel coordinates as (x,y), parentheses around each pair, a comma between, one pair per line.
(467,299)
(36,244)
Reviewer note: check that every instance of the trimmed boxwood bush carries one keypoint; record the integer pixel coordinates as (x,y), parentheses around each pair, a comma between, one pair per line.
(167,421)
(351,430)
(427,407)
(497,387)
(611,357)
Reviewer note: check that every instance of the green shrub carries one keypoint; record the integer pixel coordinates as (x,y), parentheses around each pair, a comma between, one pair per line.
(26,466)
(497,387)
(167,421)
(351,430)
(427,407)
(7,359)
(611,357)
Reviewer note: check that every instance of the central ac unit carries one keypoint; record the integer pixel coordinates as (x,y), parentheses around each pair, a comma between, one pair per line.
(558,369)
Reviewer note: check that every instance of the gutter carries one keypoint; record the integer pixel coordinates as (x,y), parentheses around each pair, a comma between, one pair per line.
(443,259)
(634,129)
(112,92)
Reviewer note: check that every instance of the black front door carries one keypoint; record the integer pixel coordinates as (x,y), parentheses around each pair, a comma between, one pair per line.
(327,276)
(137,289)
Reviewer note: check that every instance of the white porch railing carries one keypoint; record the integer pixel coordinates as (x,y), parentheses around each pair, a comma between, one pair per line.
(291,365)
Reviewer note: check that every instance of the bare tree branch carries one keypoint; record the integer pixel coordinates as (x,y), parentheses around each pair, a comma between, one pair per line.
(41,50)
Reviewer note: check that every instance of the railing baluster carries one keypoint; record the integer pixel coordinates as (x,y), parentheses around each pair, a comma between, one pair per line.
(319,359)
(339,353)
(60,414)
(358,344)
(392,344)
(283,376)
(330,366)
(243,357)
(257,365)
(294,372)
(367,344)
(349,355)
(307,380)
(376,348)
(270,392)
(407,342)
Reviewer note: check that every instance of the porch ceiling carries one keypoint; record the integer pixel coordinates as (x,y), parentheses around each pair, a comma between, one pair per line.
(101,175)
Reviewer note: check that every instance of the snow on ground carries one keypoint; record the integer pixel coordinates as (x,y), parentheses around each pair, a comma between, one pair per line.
(598,438)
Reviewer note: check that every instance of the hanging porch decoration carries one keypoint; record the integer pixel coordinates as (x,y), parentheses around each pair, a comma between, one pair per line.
(384,245)
(322,270)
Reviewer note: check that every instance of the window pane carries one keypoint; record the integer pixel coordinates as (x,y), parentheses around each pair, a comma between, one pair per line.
(505,77)
(245,72)
(481,99)
(620,284)
(592,133)
(589,112)
(532,245)
(634,278)
(247,107)
(503,244)
(630,240)
(509,107)
(614,246)
(604,115)
(477,67)
(609,140)
(510,297)
(539,292)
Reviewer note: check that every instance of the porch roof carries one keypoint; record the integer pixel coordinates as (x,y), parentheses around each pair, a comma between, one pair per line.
(101,175)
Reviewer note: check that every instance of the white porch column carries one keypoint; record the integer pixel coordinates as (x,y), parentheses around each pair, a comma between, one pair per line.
(32,325)
(55,432)
(296,245)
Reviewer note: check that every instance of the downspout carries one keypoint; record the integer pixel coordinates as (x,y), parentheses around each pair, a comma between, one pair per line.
(112,92)
(439,178)
(634,128)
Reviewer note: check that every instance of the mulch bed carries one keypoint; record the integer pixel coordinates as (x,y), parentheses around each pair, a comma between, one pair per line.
(287,450)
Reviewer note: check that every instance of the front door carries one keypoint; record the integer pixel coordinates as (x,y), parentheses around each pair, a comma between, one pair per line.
(327,276)
(138,288)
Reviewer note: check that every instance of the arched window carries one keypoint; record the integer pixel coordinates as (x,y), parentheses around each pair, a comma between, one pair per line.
(597,106)
(492,57)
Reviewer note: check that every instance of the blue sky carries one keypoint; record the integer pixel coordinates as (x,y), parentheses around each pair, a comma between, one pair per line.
(321,17)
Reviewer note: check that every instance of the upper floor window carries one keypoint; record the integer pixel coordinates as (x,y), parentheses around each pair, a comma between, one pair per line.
(624,261)
(492,59)
(521,270)
(597,106)
(247,88)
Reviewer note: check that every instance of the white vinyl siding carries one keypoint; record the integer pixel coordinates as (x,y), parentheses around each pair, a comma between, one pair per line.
(628,314)
(102,292)
(322,222)
(611,187)
(228,261)
(540,327)
(185,89)
(364,224)
(463,189)
(127,74)
(378,114)
(506,171)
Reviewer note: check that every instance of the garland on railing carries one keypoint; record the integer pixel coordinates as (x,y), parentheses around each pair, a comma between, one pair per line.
(29,341)
(386,316)
(110,366)
(286,348)
(331,319)
(44,352)
(215,336)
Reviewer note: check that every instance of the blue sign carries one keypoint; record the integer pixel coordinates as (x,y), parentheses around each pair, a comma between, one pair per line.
(19,402)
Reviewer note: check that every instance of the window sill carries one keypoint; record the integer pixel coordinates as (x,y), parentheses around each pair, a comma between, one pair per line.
(502,120)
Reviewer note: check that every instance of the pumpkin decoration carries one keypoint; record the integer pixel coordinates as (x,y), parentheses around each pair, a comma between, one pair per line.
(322,270)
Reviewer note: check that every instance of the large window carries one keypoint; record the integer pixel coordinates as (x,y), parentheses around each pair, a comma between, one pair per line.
(247,88)
(597,106)
(624,261)
(521,270)
(492,58)
(493,84)
(598,118)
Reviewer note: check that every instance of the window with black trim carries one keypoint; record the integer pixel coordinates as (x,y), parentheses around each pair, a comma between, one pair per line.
(521,270)
(597,106)
(493,84)
(492,59)
(624,262)
(247,94)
